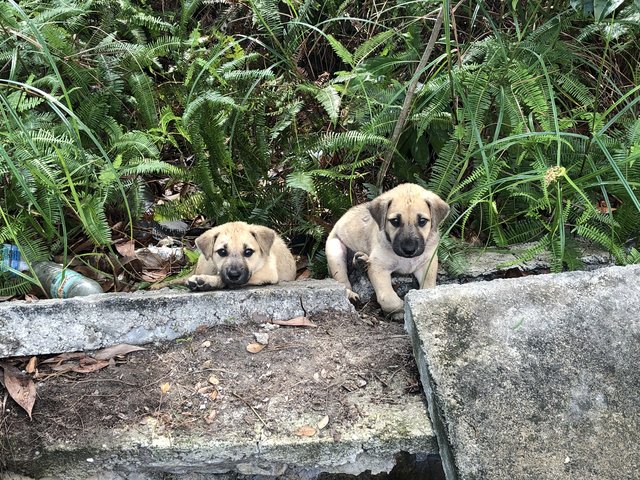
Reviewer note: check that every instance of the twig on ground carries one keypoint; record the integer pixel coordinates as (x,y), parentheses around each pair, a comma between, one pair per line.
(252,409)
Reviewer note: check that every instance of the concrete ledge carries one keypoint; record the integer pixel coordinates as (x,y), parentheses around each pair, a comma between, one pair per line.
(346,380)
(372,445)
(86,323)
(533,378)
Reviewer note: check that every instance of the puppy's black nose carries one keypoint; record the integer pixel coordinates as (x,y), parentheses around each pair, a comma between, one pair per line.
(409,246)
(234,274)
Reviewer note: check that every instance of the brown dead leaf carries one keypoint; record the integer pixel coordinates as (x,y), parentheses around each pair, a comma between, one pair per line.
(306,273)
(90,365)
(305,431)
(64,357)
(31,366)
(154,276)
(204,390)
(116,351)
(20,387)
(211,416)
(214,394)
(61,368)
(604,209)
(296,322)
(324,421)
(126,249)
(255,347)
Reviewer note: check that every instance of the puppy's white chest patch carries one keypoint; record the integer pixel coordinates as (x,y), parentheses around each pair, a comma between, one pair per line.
(409,265)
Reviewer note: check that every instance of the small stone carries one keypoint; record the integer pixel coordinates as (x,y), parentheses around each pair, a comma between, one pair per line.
(262,338)
(206,344)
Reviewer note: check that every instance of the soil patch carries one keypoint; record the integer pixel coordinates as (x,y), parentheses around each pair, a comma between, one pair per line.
(210,383)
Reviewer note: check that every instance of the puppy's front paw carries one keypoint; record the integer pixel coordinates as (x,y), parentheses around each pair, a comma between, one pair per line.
(397,316)
(353,296)
(392,305)
(197,283)
(361,261)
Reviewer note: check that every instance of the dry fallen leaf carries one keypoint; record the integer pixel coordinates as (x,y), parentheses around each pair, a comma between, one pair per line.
(90,365)
(20,387)
(305,431)
(63,357)
(154,276)
(296,322)
(203,390)
(164,388)
(213,380)
(211,416)
(31,366)
(254,347)
(207,364)
(126,249)
(213,395)
(115,351)
(324,421)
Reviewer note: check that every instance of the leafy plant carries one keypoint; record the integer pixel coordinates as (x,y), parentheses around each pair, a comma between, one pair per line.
(67,162)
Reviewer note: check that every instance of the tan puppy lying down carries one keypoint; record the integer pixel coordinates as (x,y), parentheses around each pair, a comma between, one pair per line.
(238,253)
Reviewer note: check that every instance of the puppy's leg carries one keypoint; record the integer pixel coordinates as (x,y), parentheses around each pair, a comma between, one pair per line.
(386,296)
(427,275)
(336,252)
(203,283)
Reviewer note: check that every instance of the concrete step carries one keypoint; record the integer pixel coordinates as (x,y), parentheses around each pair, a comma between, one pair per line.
(533,378)
(228,413)
(95,321)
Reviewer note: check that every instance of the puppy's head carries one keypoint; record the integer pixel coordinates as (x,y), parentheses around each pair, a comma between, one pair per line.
(237,249)
(409,215)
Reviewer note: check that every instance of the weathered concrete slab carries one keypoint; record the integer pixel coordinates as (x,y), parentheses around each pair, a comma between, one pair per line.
(95,321)
(346,380)
(533,378)
(371,445)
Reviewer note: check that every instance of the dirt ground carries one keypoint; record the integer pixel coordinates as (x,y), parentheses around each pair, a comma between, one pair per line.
(210,382)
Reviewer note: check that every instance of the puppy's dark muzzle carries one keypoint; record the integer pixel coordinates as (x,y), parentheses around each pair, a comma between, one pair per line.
(235,275)
(408,247)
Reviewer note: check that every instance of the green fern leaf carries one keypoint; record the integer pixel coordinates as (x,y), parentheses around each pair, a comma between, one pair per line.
(340,50)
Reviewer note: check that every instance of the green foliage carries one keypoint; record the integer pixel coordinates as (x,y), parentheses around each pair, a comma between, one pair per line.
(71,157)
(525,120)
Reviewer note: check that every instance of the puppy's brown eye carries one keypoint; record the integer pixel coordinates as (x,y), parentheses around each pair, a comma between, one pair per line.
(222,252)
(248,252)
(395,221)
(422,221)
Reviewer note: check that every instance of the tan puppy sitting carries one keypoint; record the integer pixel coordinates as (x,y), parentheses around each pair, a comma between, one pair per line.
(237,253)
(396,232)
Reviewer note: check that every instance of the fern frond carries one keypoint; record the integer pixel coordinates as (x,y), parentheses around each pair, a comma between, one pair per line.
(352,140)
(142,89)
(370,45)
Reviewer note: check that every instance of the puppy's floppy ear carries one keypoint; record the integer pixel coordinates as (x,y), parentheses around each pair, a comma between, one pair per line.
(378,210)
(439,208)
(206,241)
(265,237)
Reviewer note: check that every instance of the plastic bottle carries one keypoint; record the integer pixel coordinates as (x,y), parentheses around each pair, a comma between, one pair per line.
(71,284)
(50,274)
(10,258)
